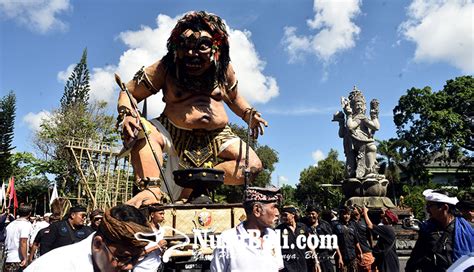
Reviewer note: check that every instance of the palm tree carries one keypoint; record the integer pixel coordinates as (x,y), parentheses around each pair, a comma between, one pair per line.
(390,161)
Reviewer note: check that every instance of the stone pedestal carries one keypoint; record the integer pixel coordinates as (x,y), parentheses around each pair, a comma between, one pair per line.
(370,202)
(365,187)
(370,192)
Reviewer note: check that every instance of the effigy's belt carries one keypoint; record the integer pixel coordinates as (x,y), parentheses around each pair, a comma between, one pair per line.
(198,147)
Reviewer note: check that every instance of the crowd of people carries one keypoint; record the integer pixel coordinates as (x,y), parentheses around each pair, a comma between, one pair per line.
(197,80)
(269,239)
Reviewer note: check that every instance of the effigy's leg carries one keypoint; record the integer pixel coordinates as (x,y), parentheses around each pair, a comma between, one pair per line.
(146,169)
(234,163)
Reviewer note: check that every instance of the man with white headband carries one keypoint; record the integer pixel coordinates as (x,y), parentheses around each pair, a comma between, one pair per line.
(444,238)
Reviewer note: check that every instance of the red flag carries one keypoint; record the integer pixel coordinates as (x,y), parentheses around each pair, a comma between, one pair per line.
(12,195)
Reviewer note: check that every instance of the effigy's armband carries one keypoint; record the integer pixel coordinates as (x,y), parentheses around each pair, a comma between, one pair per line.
(141,77)
(148,182)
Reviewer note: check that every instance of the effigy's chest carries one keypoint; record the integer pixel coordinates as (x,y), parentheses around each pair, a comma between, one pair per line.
(175,91)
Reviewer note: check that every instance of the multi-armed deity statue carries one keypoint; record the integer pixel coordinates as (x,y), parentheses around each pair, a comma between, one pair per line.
(362,185)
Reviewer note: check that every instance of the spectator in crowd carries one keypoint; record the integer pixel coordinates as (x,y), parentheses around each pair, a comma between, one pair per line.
(154,250)
(365,241)
(294,258)
(385,251)
(34,253)
(347,241)
(68,231)
(96,217)
(442,239)
(318,226)
(16,242)
(466,207)
(252,245)
(113,247)
(41,223)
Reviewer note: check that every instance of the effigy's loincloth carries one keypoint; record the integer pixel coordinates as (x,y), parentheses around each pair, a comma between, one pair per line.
(197,147)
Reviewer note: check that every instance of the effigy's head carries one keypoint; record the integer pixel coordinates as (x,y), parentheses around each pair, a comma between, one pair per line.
(199,41)
(357,101)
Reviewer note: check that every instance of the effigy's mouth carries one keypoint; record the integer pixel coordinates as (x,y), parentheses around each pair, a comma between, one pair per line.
(193,63)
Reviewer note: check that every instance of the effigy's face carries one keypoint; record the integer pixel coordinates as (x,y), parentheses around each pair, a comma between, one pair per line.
(194,51)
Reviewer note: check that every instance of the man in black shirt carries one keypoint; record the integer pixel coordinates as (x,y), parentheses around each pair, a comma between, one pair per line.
(294,258)
(363,235)
(347,241)
(68,231)
(436,248)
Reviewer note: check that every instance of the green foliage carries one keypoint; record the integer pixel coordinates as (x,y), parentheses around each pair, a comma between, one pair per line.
(414,199)
(76,91)
(389,159)
(7,121)
(268,156)
(288,193)
(76,119)
(328,171)
(31,181)
(436,123)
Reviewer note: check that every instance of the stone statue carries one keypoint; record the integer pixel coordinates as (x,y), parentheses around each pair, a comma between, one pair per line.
(357,131)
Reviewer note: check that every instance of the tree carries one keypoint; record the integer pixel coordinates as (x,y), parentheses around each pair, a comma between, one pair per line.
(436,124)
(76,118)
(288,193)
(76,91)
(328,171)
(390,164)
(31,182)
(268,156)
(7,121)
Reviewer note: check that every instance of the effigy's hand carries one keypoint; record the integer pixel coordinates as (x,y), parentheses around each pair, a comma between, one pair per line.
(130,127)
(258,125)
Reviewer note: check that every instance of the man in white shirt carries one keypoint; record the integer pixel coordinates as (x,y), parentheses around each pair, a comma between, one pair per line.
(252,245)
(16,243)
(114,247)
(153,250)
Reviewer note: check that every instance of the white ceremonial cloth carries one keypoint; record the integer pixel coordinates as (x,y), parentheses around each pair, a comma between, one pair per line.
(72,258)
(239,253)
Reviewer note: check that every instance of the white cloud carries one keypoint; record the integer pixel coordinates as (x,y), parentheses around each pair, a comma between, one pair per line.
(148,44)
(34,120)
(442,31)
(336,31)
(38,15)
(317,156)
(64,75)
(282,180)
(253,84)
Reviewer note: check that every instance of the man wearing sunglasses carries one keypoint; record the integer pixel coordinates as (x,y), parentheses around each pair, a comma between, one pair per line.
(197,79)
(68,231)
(114,247)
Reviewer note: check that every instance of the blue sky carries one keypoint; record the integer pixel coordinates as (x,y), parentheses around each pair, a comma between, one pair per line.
(294,58)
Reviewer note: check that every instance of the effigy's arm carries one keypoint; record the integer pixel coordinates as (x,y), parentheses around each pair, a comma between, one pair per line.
(239,105)
(146,82)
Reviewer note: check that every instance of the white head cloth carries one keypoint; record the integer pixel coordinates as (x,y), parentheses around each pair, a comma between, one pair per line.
(432,196)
